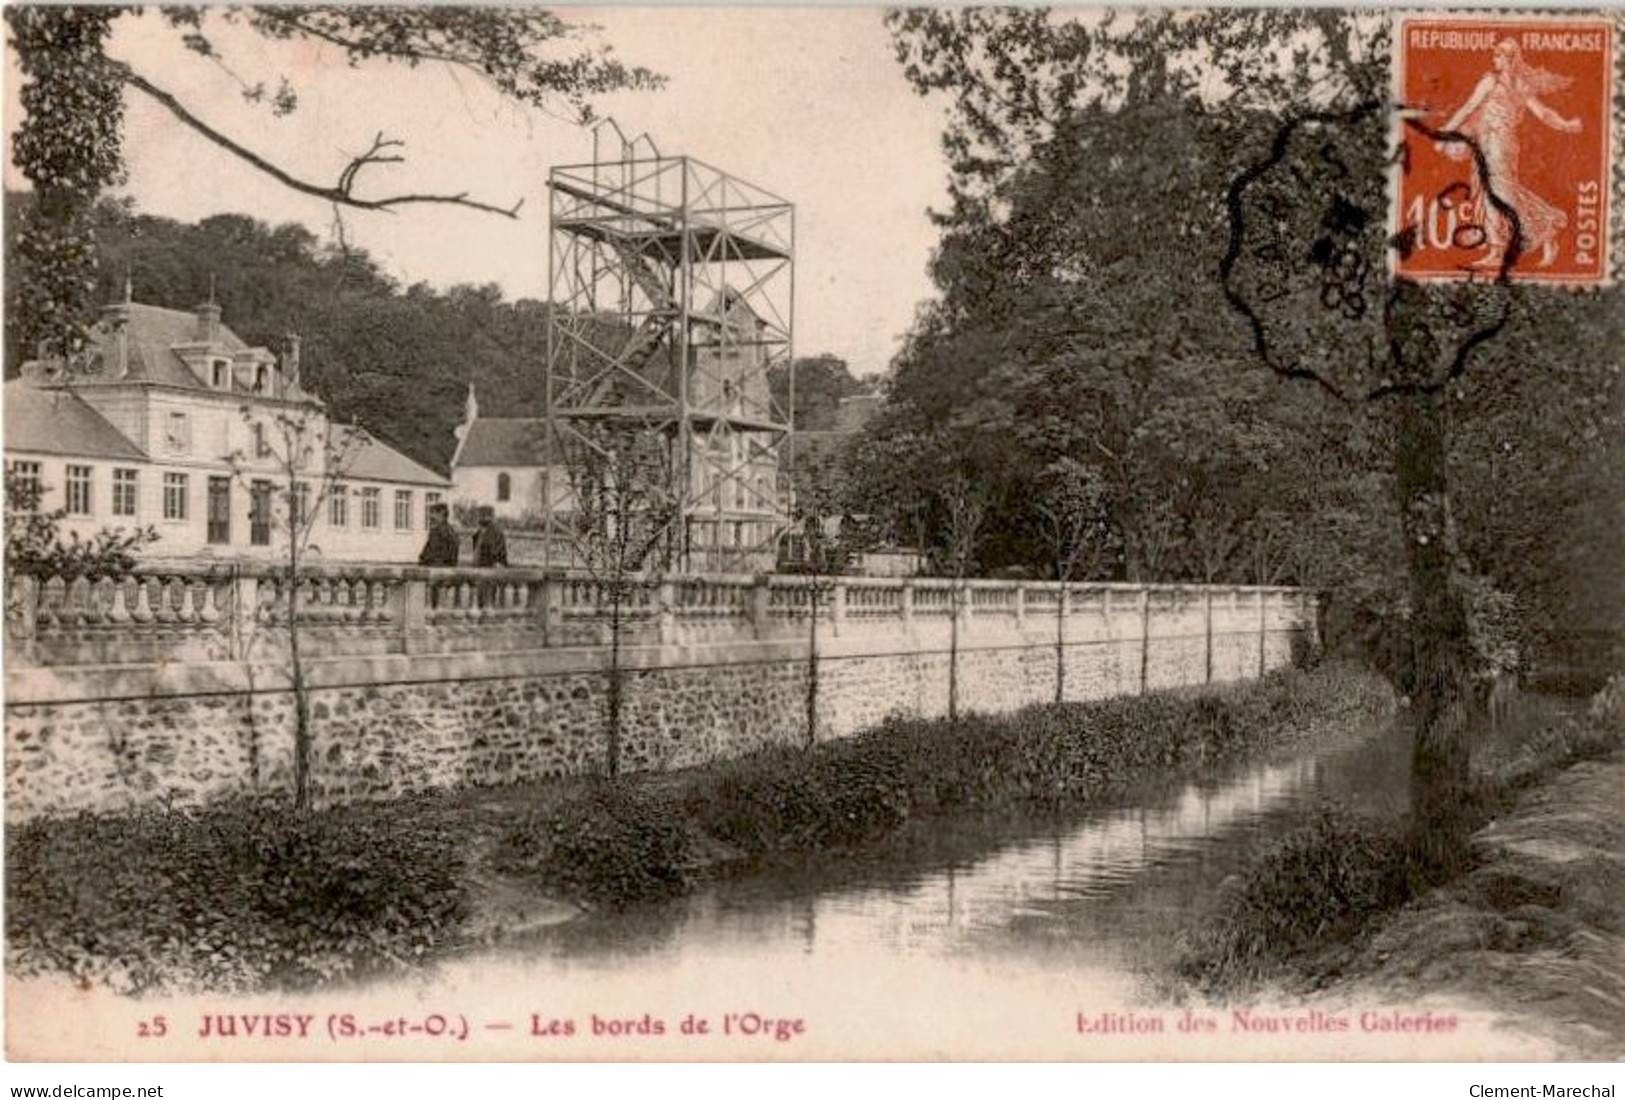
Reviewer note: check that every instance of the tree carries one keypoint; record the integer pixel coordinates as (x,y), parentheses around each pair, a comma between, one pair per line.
(1054,336)
(69,144)
(965,501)
(624,503)
(304,457)
(1073,516)
(819,498)
(1304,135)
(822,381)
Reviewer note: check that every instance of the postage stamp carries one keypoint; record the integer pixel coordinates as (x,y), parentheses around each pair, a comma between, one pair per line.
(1533,96)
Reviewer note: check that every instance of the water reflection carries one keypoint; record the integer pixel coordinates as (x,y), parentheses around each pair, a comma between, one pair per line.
(1101,889)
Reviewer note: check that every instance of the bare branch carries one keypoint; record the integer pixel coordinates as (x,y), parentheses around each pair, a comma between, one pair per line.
(341,193)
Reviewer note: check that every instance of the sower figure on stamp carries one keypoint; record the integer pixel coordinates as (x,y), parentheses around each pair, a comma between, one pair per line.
(440,548)
(1491,117)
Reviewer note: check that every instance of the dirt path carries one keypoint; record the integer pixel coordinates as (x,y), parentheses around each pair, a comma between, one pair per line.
(1537,931)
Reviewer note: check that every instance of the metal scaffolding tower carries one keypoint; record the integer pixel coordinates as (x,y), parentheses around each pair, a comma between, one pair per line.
(672,286)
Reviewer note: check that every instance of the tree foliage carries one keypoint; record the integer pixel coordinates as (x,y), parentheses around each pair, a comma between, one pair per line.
(1168,334)
(69,143)
(821,383)
(1080,315)
(625,504)
(37,547)
(397,358)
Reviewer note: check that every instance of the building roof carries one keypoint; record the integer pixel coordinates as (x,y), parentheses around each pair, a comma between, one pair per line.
(726,308)
(57,421)
(374,460)
(515,441)
(153,331)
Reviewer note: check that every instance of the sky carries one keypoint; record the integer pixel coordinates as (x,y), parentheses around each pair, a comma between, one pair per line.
(809,104)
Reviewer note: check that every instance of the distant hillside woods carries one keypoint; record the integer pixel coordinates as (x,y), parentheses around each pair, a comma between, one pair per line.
(397,358)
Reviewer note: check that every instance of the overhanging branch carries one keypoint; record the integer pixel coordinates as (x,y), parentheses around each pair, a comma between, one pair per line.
(341,193)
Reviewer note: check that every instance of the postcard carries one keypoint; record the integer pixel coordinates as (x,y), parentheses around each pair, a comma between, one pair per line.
(797,534)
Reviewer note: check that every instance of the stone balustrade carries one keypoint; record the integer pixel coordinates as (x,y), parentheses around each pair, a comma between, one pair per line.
(214,613)
(174,685)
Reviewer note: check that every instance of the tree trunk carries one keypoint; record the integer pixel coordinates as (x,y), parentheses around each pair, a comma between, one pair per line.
(612,763)
(1438,673)
(301,702)
(812,663)
(953,653)
(1060,644)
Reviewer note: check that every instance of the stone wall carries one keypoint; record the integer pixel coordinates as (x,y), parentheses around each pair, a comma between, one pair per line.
(170,730)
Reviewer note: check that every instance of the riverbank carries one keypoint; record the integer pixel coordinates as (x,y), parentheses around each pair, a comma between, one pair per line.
(1535,929)
(644,838)
(244,896)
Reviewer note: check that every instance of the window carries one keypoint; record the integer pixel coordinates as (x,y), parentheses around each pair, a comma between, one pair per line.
(222,375)
(429,501)
(338,506)
(262,449)
(260,378)
(178,433)
(370,508)
(403,509)
(219,509)
(175,494)
(28,474)
(259,513)
(504,487)
(78,490)
(124,492)
(301,505)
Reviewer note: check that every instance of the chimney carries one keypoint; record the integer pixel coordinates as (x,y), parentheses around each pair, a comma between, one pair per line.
(116,319)
(290,359)
(208,322)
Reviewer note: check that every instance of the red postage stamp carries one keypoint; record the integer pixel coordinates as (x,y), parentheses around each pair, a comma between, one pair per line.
(1505,147)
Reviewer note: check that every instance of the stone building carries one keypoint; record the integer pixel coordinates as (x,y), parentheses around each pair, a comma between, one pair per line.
(172,420)
(738,504)
(505,463)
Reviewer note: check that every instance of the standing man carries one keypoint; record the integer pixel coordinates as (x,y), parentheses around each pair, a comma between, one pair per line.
(490,545)
(440,549)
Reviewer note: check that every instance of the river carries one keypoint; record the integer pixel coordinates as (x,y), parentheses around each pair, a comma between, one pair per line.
(1097,889)
(962,937)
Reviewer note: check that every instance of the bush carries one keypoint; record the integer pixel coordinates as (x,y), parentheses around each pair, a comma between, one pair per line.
(235,897)
(1321,883)
(611,844)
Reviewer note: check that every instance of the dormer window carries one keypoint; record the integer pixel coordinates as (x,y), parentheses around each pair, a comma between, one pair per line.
(261,378)
(222,374)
